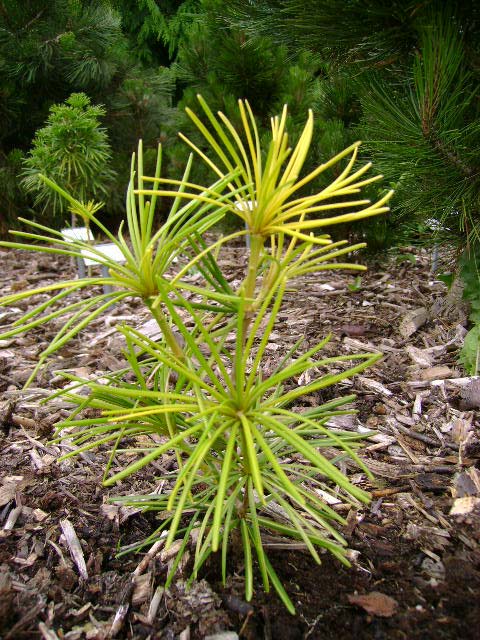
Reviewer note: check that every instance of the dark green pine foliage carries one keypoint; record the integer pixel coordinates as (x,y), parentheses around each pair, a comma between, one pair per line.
(415,69)
(47,50)
(224,64)
(424,133)
(156,27)
(139,107)
(375,32)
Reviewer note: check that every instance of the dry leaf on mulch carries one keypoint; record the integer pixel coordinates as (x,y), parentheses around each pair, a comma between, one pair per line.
(375,603)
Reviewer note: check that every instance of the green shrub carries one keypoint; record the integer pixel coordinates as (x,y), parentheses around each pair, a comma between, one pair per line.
(248,463)
(73,150)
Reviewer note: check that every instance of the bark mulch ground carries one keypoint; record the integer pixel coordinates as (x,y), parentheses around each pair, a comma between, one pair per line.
(415,548)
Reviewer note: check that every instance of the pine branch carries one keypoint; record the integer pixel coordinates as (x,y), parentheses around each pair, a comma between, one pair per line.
(451,156)
(5,15)
(33,20)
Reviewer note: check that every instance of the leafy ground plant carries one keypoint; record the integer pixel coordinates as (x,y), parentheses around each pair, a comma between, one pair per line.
(250,467)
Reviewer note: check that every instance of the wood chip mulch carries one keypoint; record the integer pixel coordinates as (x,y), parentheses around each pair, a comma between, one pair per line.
(415,548)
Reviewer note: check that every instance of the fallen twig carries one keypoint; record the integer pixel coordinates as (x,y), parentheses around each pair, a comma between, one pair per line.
(423,438)
(124,607)
(74,547)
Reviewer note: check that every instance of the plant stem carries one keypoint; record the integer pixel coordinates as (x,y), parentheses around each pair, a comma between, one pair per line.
(242,508)
(172,342)
(166,330)
(249,284)
(247,291)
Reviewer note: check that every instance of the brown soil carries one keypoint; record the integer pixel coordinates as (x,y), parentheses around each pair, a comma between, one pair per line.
(406,545)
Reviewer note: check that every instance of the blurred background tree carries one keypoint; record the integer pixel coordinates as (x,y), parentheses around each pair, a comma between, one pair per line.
(47,51)
(402,76)
(412,71)
(156,28)
(72,149)
(51,49)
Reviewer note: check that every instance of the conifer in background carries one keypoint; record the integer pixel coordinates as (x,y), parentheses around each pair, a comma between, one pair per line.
(223,64)
(73,151)
(155,29)
(48,49)
(415,69)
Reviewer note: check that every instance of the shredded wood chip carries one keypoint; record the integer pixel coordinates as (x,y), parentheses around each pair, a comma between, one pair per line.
(74,546)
